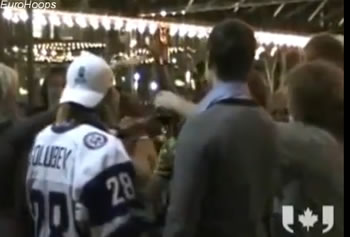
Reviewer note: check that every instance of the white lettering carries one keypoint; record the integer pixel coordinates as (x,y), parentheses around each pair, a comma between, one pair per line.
(20,5)
(35,5)
(47,5)
(41,5)
(124,181)
(4,3)
(10,4)
(113,185)
(28,4)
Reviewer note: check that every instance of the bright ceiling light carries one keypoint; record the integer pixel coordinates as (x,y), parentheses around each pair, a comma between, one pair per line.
(174,29)
(68,21)
(188,76)
(137,76)
(54,20)
(153,86)
(7,13)
(107,23)
(153,27)
(179,83)
(141,27)
(133,43)
(81,21)
(23,16)
(94,22)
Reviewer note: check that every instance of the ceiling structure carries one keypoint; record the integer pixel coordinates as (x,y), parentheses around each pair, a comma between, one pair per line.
(303,16)
(307,16)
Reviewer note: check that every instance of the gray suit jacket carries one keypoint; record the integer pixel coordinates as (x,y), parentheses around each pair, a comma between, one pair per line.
(313,173)
(225,169)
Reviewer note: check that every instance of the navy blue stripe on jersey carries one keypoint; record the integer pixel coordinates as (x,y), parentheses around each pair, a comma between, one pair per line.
(106,198)
(62,128)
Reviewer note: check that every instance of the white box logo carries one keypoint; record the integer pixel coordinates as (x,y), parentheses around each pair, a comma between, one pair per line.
(308,219)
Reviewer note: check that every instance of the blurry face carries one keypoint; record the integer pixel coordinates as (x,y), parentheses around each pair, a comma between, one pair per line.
(292,108)
(209,74)
(14,87)
(109,108)
(56,85)
(279,107)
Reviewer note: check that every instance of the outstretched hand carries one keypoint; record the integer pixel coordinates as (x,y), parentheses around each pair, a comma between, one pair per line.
(170,101)
(167,100)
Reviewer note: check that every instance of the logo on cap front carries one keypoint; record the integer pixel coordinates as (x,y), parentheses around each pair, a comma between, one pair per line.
(81,76)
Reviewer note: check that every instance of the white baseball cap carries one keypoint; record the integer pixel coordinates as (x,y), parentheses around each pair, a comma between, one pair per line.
(89,78)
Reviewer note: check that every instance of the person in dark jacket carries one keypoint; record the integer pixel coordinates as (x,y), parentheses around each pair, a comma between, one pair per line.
(16,138)
(225,164)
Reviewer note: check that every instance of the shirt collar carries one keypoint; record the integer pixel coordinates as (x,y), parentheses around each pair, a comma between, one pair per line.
(225,90)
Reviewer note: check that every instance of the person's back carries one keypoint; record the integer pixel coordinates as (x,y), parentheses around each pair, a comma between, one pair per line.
(65,167)
(225,165)
(16,138)
(313,164)
(239,151)
(80,178)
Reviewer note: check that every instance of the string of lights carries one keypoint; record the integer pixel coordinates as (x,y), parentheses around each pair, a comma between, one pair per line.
(70,19)
(58,52)
(62,52)
(69,46)
(146,57)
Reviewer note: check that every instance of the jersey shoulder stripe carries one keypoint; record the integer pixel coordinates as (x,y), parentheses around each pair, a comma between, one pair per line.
(97,196)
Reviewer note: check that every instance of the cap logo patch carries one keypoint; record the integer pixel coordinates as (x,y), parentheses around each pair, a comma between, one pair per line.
(95,140)
(81,76)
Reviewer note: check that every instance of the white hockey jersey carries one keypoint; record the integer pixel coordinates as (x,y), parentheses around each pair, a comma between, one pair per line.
(79,183)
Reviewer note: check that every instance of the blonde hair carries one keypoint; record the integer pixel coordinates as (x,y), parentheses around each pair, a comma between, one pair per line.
(8,91)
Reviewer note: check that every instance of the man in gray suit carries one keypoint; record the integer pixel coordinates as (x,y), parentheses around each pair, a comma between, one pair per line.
(225,165)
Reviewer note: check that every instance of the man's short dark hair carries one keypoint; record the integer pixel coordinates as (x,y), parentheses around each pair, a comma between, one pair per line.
(325,47)
(232,46)
(316,93)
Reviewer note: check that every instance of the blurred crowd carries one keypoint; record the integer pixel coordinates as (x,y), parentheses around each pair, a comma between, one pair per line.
(222,165)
